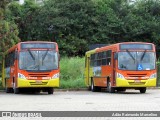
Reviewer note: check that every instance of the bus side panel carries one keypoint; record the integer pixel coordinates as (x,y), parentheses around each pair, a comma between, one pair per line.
(106,72)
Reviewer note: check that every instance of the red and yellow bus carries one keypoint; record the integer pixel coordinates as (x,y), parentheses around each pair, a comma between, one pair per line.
(121,66)
(33,65)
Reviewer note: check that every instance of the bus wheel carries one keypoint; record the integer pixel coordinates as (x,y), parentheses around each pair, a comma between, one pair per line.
(110,88)
(143,90)
(16,90)
(8,90)
(50,90)
(94,88)
(121,90)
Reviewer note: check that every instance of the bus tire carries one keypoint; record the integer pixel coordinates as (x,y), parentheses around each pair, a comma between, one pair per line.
(50,90)
(121,89)
(110,88)
(143,90)
(16,90)
(94,88)
(8,90)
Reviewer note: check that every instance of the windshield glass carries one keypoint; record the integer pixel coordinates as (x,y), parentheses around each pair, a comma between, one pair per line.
(136,60)
(38,60)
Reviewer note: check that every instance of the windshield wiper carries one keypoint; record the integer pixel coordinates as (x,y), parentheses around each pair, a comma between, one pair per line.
(44,56)
(130,54)
(31,54)
(143,55)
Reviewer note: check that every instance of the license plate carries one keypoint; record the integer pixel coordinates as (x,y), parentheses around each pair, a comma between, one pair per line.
(137,81)
(38,81)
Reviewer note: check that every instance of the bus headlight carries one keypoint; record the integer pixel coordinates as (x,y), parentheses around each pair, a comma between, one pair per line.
(120,76)
(55,76)
(21,76)
(153,76)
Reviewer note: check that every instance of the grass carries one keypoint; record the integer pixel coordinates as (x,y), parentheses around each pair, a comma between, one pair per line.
(72,72)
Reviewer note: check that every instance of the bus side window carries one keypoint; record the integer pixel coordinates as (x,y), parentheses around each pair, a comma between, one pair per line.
(109,57)
(12,58)
(92,60)
(99,59)
(104,59)
(96,60)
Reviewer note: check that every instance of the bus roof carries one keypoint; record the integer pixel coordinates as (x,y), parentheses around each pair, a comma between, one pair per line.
(15,46)
(114,46)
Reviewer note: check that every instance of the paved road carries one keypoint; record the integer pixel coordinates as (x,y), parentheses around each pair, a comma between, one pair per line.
(130,100)
(82,100)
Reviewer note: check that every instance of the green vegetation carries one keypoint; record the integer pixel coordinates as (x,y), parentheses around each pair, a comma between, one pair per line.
(1,83)
(8,31)
(72,72)
(76,24)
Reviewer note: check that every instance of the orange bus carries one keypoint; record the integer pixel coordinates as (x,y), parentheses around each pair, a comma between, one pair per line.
(33,65)
(121,66)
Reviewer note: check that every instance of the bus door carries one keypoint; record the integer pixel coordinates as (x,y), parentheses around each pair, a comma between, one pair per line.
(87,69)
(115,57)
(13,69)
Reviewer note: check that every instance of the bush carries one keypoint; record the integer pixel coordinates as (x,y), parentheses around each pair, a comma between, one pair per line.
(72,72)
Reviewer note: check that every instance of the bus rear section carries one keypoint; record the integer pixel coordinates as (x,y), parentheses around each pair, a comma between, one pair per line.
(35,67)
(121,66)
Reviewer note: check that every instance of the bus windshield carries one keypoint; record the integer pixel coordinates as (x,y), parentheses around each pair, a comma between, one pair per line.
(38,60)
(136,60)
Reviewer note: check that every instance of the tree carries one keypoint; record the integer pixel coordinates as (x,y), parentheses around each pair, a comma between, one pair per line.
(8,31)
(75,24)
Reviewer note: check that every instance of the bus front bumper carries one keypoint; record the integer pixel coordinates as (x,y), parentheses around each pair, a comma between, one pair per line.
(135,83)
(37,83)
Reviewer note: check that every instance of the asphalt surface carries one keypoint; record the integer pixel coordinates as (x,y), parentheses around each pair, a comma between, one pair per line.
(131,100)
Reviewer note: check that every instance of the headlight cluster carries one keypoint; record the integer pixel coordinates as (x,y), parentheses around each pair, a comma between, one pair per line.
(21,76)
(55,76)
(120,76)
(153,76)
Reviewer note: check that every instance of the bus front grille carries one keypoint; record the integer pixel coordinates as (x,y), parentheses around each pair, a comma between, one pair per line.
(39,83)
(136,75)
(139,83)
(39,75)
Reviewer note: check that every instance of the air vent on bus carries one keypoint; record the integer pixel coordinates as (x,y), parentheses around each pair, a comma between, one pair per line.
(39,75)
(136,75)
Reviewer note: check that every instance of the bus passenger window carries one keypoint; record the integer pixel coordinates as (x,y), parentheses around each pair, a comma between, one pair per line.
(109,57)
